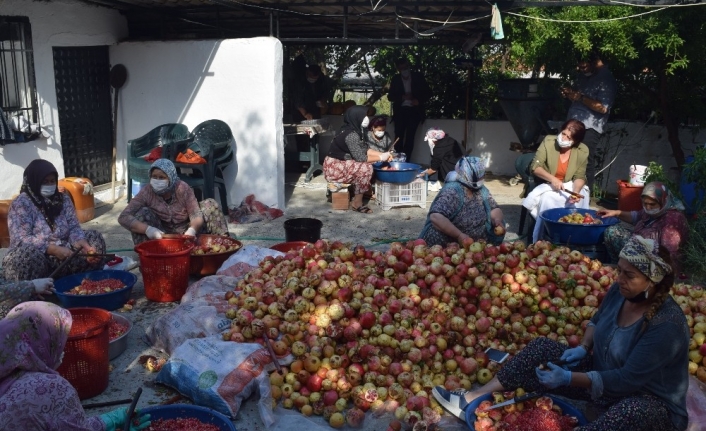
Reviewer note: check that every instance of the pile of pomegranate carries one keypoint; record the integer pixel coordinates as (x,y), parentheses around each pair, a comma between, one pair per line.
(216,245)
(540,414)
(181,424)
(577,218)
(116,329)
(374,330)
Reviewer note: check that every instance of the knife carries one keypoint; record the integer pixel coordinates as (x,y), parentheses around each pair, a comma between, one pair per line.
(574,194)
(525,397)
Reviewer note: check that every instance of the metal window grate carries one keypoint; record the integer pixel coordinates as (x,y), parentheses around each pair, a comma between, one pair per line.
(18,95)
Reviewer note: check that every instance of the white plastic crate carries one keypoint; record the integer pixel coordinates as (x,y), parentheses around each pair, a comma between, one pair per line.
(390,195)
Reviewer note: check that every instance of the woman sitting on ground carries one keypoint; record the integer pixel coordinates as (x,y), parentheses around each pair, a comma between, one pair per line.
(169,206)
(44,230)
(459,211)
(561,162)
(632,361)
(350,159)
(33,396)
(661,218)
(445,153)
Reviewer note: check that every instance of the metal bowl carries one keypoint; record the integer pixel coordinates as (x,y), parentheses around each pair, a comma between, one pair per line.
(118,346)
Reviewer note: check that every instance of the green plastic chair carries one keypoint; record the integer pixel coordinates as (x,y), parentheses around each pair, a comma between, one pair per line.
(138,169)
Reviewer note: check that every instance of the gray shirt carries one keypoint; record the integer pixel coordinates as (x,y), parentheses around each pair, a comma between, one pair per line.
(600,86)
(655,362)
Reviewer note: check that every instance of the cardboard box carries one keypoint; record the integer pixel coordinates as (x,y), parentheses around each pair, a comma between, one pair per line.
(340,200)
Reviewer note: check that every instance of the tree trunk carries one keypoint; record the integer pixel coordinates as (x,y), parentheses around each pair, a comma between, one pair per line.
(670,122)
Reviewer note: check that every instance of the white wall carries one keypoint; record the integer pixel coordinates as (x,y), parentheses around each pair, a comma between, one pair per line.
(60,23)
(238,81)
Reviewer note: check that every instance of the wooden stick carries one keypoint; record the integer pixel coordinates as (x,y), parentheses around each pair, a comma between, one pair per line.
(63,264)
(272,354)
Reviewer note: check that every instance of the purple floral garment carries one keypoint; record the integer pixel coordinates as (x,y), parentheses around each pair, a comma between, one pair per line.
(27,225)
(33,396)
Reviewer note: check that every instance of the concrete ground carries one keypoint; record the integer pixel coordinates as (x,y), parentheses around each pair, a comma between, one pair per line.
(303,200)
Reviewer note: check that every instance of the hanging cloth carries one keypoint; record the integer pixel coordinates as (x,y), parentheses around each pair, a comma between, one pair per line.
(496,24)
(6,134)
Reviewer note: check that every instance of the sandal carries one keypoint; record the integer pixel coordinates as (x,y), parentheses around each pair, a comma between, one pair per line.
(362,209)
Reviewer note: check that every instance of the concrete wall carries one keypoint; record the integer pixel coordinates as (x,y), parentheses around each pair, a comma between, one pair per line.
(238,81)
(632,143)
(60,23)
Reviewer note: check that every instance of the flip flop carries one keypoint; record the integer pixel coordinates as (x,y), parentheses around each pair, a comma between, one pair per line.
(362,209)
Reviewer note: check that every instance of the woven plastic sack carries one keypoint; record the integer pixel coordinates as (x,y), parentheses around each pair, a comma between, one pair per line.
(245,260)
(221,375)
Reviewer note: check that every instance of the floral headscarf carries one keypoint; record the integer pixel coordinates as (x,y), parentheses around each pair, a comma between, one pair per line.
(32,179)
(168,168)
(32,338)
(470,172)
(643,254)
(659,192)
(434,134)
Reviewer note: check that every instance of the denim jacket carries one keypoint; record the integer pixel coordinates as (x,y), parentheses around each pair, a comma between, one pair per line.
(656,361)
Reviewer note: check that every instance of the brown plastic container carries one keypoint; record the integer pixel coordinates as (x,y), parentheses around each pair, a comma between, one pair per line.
(84,204)
(629,196)
(4,232)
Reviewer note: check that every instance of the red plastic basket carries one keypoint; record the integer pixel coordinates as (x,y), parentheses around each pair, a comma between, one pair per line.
(165,264)
(85,363)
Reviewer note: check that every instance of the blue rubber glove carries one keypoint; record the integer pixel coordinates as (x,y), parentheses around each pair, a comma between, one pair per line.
(555,377)
(116,419)
(573,356)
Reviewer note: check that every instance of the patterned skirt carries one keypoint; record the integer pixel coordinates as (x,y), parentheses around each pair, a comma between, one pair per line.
(349,171)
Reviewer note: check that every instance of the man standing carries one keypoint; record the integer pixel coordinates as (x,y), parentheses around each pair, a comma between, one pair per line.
(408,93)
(592,98)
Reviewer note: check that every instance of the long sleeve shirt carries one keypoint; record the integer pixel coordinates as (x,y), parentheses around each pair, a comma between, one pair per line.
(174,213)
(27,225)
(655,362)
(13,293)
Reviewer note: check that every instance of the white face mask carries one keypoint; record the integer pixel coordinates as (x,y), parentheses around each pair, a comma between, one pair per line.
(587,74)
(406,73)
(380,133)
(563,143)
(47,191)
(312,80)
(159,185)
(651,212)
(365,122)
(478,184)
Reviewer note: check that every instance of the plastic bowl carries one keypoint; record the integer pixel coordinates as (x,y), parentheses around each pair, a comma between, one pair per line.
(118,346)
(566,409)
(107,301)
(203,414)
(403,173)
(208,264)
(569,233)
(284,247)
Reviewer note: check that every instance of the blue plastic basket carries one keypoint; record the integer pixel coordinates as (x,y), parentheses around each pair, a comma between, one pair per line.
(566,409)
(403,173)
(107,301)
(203,414)
(570,233)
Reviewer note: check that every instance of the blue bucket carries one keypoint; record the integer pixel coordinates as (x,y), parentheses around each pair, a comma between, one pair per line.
(570,233)
(107,301)
(203,414)
(566,409)
(401,173)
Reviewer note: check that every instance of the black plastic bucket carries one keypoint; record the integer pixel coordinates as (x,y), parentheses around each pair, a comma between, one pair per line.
(302,229)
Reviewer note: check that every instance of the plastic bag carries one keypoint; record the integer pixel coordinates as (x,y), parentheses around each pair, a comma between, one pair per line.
(696,405)
(200,314)
(221,375)
(248,258)
(121,263)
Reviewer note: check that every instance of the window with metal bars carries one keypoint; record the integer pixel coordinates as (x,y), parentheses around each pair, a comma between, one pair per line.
(18,91)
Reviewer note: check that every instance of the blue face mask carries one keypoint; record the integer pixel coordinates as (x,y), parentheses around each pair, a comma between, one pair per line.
(47,191)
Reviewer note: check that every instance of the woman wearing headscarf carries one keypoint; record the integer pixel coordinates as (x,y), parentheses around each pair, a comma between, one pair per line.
(445,152)
(33,396)
(464,208)
(44,230)
(561,162)
(169,206)
(350,159)
(661,218)
(631,363)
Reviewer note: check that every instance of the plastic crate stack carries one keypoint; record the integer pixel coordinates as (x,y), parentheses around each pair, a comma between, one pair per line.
(390,195)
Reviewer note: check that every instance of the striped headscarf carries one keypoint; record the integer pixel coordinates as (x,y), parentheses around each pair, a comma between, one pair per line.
(470,172)
(666,200)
